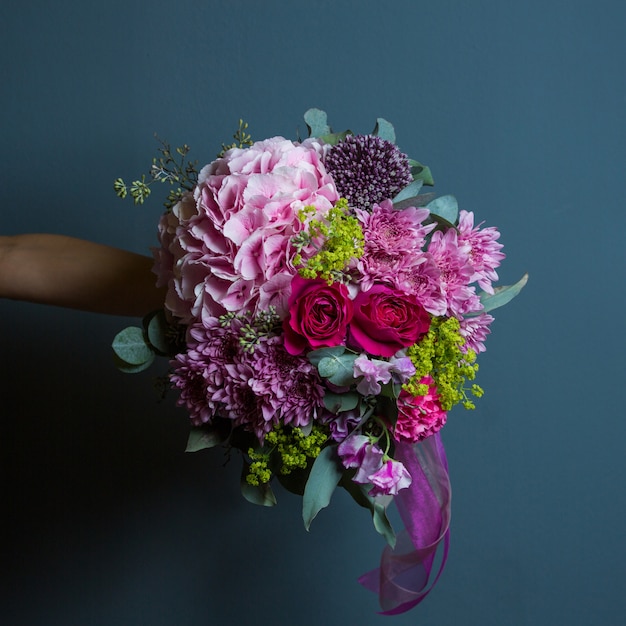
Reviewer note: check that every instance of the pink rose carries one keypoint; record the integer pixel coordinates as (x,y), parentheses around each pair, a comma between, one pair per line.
(319,315)
(386,320)
(419,416)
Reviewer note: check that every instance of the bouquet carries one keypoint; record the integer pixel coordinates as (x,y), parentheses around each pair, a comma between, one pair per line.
(323,316)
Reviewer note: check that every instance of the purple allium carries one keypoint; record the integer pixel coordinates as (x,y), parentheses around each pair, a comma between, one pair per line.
(367,170)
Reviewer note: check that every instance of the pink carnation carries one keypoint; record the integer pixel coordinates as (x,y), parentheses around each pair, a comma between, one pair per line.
(419,416)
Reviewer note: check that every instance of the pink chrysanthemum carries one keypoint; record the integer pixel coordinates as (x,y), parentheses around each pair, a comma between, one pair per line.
(452,258)
(423,281)
(393,241)
(419,416)
(484,251)
(475,330)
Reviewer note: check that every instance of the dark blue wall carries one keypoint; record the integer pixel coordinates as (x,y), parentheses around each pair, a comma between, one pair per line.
(519,109)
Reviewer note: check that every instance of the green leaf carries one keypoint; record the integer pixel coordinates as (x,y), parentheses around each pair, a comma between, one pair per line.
(316,121)
(157,329)
(204,437)
(260,494)
(446,207)
(317,355)
(127,368)
(410,191)
(382,524)
(378,510)
(417,201)
(131,347)
(334,138)
(338,369)
(338,402)
(421,172)
(323,480)
(502,295)
(384,130)
(295,481)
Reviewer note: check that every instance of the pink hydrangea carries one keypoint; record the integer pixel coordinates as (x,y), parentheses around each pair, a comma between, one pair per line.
(228,247)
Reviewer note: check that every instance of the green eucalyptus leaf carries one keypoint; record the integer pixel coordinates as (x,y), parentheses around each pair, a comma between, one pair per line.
(317,355)
(410,191)
(502,295)
(157,329)
(416,201)
(421,172)
(445,207)
(323,479)
(338,369)
(375,505)
(382,524)
(338,402)
(131,347)
(328,366)
(334,138)
(317,123)
(204,437)
(384,130)
(128,368)
(295,481)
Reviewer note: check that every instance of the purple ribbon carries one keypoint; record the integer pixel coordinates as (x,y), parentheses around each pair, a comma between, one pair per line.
(401,581)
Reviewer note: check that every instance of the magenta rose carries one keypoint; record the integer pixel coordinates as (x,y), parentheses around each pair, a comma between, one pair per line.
(386,320)
(318,316)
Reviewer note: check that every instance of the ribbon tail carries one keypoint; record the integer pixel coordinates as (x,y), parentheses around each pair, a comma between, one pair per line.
(402,580)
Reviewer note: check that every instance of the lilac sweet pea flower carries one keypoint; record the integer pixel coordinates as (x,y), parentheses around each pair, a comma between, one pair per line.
(374,372)
(389,479)
(402,368)
(358,451)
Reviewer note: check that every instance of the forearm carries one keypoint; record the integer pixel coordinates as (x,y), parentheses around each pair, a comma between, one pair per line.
(78,274)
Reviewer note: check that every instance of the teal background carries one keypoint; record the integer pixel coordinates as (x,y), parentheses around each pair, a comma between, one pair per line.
(518,108)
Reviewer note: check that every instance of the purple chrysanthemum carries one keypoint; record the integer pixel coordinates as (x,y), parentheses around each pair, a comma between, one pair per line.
(287,387)
(367,170)
(200,372)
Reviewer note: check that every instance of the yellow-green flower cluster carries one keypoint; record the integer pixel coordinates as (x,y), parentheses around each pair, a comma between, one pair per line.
(290,447)
(440,355)
(343,242)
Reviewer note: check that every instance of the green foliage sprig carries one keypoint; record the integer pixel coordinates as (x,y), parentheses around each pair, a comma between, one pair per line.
(241,137)
(170,167)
